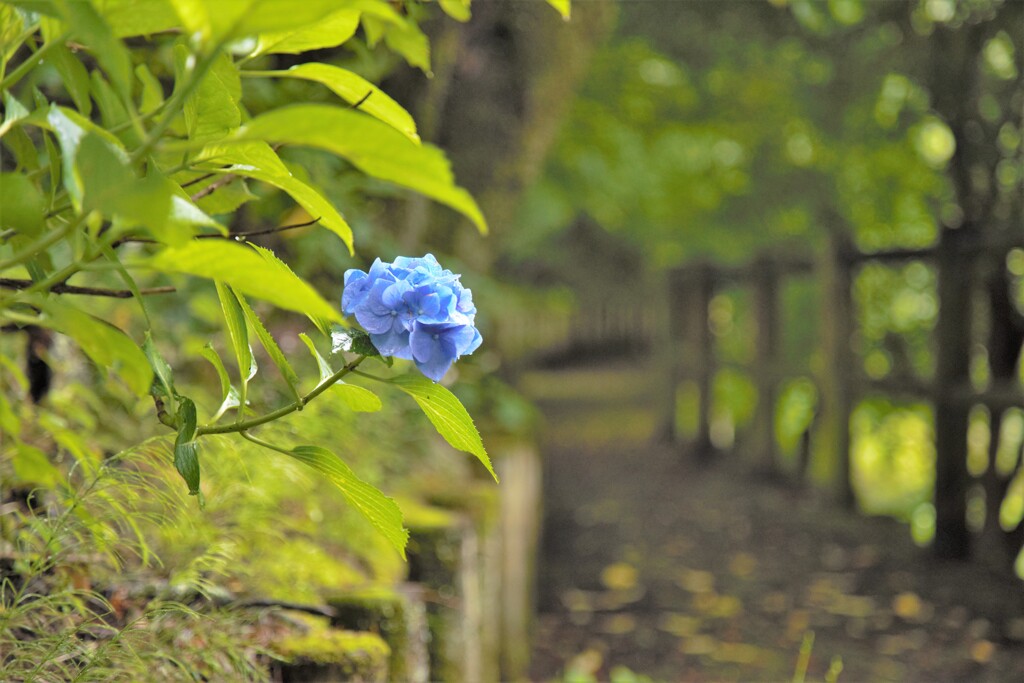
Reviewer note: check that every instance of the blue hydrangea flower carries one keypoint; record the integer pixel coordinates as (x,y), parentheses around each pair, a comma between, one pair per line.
(414,309)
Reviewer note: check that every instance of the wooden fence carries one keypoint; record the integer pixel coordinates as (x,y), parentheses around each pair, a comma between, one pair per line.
(968,268)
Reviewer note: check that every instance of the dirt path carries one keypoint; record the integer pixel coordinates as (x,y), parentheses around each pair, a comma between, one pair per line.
(687,574)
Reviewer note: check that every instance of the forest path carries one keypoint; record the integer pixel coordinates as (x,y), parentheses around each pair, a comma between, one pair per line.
(707,574)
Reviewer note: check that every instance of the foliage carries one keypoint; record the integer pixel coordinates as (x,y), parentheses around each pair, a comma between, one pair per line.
(132,158)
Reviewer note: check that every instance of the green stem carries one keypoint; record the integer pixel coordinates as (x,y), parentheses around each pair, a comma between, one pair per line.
(44,242)
(261,442)
(30,63)
(299,404)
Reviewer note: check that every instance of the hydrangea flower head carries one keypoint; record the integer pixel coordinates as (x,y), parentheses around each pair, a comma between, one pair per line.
(414,309)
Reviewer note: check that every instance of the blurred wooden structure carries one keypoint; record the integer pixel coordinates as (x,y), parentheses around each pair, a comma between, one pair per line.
(671,323)
(960,257)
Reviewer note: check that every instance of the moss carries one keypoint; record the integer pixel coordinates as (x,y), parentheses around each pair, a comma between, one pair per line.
(330,654)
(380,610)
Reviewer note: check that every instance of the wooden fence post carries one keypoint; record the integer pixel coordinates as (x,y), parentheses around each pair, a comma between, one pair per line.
(765,281)
(952,375)
(836,377)
(703,353)
(671,337)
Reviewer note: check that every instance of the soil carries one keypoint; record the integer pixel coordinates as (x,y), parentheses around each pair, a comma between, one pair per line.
(684,572)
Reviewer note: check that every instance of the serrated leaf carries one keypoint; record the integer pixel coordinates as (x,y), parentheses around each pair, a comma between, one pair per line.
(105,344)
(210,354)
(186,457)
(211,110)
(353,88)
(246,271)
(382,512)
(271,347)
(447,414)
(358,399)
(374,147)
(235,319)
(324,367)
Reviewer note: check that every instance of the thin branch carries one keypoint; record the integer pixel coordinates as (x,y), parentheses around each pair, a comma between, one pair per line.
(243,425)
(237,236)
(62,288)
(214,186)
(205,176)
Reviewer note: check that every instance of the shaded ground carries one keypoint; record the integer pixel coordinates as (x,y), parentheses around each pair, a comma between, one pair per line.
(688,574)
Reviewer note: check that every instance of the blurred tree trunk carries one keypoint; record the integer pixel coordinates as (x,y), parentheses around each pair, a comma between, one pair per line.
(503,84)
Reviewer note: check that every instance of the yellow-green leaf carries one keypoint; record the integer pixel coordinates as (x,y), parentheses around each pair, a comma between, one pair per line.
(106,345)
(381,511)
(246,271)
(374,147)
(354,89)
(447,414)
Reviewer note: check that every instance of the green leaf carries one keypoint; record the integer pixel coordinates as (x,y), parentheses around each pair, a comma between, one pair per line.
(325,368)
(353,88)
(14,111)
(331,31)
(258,161)
(11,26)
(447,414)
(246,271)
(161,369)
(152,91)
(31,466)
(105,344)
(217,20)
(402,36)
(186,458)
(24,208)
(89,28)
(112,111)
(210,354)
(271,347)
(382,512)
(359,399)
(456,9)
(70,128)
(74,75)
(211,110)
(235,319)
(372,146)
(230,397)
(138,17)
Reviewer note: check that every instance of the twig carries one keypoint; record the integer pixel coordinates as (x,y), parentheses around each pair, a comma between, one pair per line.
(205,176)
(61,288)
(238,236)
(214,186)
